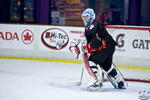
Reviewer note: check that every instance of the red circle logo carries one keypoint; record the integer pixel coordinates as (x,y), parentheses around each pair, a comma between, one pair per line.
(27,36)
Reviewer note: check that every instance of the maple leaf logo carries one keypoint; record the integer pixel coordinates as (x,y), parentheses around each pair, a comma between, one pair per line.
(27,36)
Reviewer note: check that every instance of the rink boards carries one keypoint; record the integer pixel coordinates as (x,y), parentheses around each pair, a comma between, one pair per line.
(45,42)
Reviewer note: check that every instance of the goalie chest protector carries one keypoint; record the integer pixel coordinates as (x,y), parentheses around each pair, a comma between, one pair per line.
(97,30)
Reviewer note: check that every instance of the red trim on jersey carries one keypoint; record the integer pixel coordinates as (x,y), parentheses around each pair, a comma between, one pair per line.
(90,49)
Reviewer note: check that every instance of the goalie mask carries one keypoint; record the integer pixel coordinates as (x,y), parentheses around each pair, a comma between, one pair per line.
(88,16)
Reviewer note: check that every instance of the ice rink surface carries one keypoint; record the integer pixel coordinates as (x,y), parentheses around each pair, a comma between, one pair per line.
(35,80)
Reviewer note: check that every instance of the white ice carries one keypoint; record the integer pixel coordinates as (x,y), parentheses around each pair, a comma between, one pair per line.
(34,80)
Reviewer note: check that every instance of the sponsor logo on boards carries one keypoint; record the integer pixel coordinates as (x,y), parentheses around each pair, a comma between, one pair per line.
(55,38)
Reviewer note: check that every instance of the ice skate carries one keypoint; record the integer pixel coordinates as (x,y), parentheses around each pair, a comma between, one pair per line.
(95,87)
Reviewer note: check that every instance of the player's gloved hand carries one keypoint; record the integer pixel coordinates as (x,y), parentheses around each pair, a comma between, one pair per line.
(84,47)
(78,47)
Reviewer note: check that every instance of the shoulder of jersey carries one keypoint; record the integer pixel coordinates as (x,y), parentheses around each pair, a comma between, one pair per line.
(91,27)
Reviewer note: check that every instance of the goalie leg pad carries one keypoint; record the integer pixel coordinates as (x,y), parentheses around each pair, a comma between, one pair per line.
(93,70)
(96,71)
(97,86)
(87,66)
(116,78)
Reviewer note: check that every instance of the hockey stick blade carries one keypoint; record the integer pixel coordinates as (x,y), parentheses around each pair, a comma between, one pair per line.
(80,82)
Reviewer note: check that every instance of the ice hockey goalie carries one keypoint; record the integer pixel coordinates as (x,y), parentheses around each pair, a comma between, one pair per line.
(100,48)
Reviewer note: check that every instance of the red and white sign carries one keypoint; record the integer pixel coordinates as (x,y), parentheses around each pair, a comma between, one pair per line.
(58,37)
(27,37)
(9,36)
(53,41)
(55,38)
(16,37)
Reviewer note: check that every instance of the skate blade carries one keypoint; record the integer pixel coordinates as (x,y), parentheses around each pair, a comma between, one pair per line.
(95,89)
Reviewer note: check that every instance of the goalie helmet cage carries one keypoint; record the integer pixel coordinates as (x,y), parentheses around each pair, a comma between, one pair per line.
(134,74)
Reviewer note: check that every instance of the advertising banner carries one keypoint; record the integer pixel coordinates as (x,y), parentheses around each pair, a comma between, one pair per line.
(132,42)
(58,38)
(16,37)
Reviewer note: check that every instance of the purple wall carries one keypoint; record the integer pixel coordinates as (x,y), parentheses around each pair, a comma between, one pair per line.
(4,11)
(135,12)
(42,11)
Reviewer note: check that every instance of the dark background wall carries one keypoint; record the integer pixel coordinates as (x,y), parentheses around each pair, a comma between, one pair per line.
(138,13)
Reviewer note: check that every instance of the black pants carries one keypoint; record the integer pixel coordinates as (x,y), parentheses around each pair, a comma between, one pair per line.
(103,57)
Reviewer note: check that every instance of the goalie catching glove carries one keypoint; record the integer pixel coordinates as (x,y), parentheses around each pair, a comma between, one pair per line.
(96,44)
(77,48)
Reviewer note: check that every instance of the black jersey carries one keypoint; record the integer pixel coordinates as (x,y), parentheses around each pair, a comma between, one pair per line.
(96,29)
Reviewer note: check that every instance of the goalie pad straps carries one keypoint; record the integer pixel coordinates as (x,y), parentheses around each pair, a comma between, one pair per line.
(86,64)
(112,71)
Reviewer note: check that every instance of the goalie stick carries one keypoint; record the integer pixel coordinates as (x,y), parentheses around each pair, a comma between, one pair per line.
(86,65)
(77,47)
(81,78)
